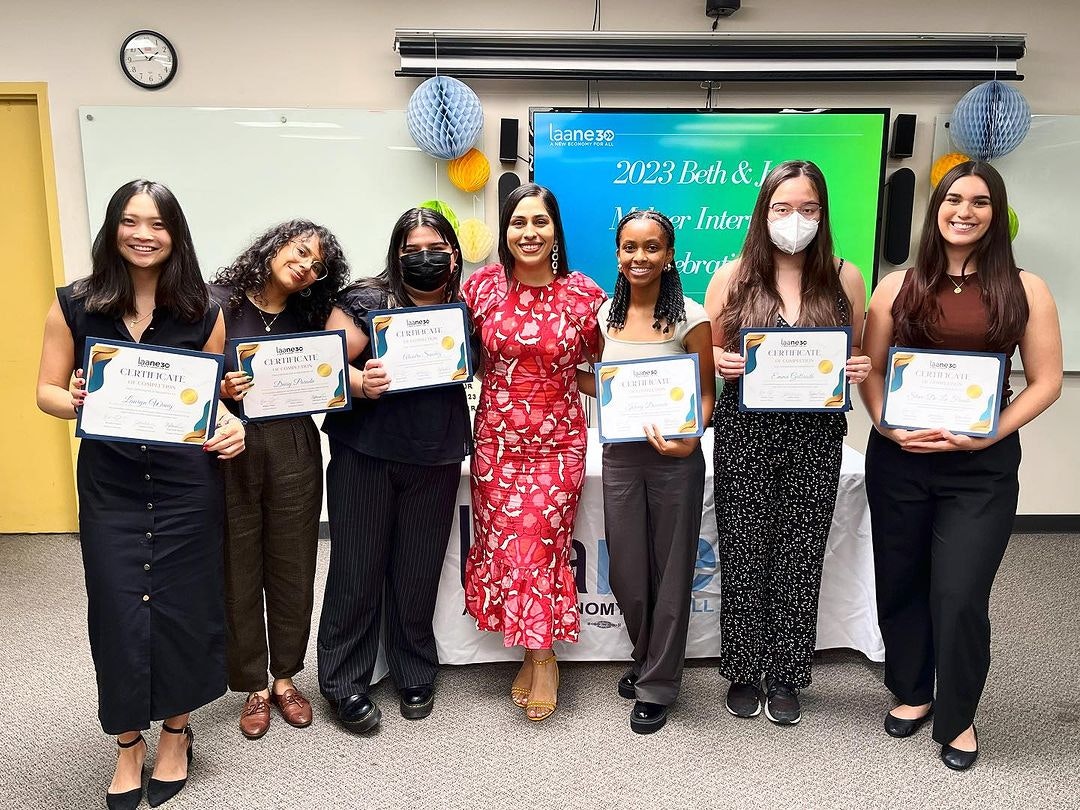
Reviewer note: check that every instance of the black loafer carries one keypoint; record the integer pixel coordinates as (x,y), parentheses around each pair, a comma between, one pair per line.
(417,702)
(960,760)
(626,685)
(647,717)
(899,727)
(358,713)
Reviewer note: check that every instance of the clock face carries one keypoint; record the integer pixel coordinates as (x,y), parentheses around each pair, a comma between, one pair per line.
(148,59)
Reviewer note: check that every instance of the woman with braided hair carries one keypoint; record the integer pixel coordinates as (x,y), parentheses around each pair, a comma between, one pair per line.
(653,489)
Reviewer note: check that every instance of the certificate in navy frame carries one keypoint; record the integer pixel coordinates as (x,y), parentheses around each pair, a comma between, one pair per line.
(994,411)
(234,343)
(598,368)
(842,385)
(377,349)
(210,418)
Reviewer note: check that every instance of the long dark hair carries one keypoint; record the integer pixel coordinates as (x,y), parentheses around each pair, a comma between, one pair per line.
(754,298)
(552,206)
(390,280)
(916,311)
(670,306)
(251,269)
(180,287)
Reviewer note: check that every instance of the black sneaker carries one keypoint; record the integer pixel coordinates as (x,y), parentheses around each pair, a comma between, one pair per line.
(743,699)
(782,703)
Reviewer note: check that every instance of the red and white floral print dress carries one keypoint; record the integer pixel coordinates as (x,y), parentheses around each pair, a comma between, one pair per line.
(529,461)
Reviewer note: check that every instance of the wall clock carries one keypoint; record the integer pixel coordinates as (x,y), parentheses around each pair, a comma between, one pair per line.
(148,59)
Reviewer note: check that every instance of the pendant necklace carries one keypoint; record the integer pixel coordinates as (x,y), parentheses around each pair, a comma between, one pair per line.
(268,323)
(136,320)
(958,288)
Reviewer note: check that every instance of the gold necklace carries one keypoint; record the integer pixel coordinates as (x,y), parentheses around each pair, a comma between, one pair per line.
(957,288)
(137,321)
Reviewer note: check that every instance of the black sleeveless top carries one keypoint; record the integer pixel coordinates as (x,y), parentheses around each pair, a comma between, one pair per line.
(427,427)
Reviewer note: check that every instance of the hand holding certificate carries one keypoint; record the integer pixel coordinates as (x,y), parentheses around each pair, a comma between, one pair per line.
(958,391)
(294,374)
(795,369)
(422,347)
(148,394)
(633,395)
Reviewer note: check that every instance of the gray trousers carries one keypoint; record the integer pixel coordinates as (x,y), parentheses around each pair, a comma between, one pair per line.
(652,519)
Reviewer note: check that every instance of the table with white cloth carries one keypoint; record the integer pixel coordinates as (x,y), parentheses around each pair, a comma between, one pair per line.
(847,613)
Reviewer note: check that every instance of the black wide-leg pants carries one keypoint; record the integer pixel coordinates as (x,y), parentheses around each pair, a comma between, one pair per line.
(652,519)
(941,523)
(389,526)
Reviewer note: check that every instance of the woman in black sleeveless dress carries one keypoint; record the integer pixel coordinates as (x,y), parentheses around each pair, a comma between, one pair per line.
(150,517)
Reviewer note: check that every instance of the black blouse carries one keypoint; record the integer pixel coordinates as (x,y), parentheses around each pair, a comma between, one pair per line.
(428,427)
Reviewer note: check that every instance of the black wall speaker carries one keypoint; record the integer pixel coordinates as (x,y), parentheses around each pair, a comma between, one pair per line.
(903,137)
(508,181)
(508,139)
(899,199)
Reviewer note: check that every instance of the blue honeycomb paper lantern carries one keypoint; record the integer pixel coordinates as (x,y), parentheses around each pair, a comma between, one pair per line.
(990,120)
(444,117)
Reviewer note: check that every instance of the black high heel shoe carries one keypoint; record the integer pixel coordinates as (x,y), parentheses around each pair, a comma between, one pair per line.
(158,791)
(129,799)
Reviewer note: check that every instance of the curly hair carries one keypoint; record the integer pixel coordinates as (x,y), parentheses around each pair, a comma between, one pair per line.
(670,307)
(251,269)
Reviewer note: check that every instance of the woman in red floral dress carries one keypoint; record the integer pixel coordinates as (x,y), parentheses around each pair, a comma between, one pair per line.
(537,321)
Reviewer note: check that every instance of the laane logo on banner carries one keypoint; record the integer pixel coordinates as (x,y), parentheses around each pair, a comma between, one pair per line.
(703,169)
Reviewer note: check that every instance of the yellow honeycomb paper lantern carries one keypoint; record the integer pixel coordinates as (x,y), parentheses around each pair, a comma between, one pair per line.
(943,164)
(470,171)
(476,239)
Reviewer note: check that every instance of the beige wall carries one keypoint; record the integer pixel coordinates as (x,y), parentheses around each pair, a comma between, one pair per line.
(339,53)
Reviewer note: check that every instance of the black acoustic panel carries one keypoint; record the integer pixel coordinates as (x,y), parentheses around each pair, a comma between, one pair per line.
(899,199)
(903,137)
(508,181)
(508,140)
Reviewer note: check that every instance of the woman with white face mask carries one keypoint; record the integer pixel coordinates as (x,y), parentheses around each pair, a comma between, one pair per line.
(776,473)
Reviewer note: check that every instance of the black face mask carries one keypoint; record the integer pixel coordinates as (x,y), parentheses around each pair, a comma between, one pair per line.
(426,270)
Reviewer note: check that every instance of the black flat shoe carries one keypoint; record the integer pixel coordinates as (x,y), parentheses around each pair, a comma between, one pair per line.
(960,760)
(129,799)
(647,717)
(626,685)
(358,713)
(417,702)
(158,791)
(900,728)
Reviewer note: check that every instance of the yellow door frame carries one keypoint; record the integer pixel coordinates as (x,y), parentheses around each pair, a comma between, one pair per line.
(38,93)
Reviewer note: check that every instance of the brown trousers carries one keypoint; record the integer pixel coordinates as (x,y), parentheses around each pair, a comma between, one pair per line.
(273,496)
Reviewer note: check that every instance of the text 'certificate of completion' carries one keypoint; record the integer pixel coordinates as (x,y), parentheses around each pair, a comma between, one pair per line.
(661,391)
(295,374)
(795,369)
(422,347)
(148,394)
(958,391)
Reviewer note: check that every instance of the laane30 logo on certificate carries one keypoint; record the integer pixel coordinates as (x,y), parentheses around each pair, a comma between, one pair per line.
(958,391)
(148,394)
(295,374)
(795,369)
(422,347)
(661,391)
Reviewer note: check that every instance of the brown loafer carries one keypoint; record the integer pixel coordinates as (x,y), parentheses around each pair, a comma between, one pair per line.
(255,718)
(294,707)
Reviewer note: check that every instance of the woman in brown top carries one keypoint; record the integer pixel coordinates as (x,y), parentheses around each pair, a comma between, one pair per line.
(942,505)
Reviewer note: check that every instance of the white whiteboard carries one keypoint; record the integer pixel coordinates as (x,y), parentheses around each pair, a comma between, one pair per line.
(236,172)
(1041,175)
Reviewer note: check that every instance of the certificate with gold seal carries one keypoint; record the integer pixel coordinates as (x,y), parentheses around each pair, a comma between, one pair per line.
(148,394)
(662,391)
(795,369)
(293,375)
(958,391)
(422,347)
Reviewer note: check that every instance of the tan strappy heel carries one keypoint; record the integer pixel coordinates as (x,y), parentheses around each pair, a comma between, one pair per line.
(543,704)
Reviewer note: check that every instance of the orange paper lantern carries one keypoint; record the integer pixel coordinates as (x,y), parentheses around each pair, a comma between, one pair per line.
(470,171)
(943,164)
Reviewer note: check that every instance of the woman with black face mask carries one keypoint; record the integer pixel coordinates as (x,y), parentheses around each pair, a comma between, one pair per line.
(395,464)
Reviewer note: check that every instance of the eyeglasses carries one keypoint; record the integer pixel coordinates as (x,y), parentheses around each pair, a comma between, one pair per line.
(302,253)
(808,210)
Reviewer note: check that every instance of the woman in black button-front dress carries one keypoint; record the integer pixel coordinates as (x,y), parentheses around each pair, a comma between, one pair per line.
(150,517)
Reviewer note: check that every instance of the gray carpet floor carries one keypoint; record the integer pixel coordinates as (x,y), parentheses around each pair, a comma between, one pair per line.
(477,750)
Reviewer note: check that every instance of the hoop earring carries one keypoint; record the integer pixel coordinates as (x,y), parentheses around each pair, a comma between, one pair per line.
(555,258)
(306,292)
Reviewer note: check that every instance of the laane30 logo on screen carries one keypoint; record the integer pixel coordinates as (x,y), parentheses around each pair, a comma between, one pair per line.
(580,137)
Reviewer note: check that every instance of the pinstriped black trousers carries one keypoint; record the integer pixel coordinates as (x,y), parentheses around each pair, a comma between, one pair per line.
(389,526)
